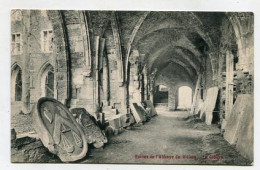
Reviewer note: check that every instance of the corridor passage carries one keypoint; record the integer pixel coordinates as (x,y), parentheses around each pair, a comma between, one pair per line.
(169,138)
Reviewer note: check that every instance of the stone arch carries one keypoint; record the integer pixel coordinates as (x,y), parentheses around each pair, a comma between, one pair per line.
(243,29)
(62,66)
(197,26)
(187,59)
(16,83)
(117,39)
(47,81)
(132,36)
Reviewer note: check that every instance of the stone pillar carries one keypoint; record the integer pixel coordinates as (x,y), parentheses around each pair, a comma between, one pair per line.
(123,92)
(172,98)
(136,84)
(196,95)
(96,84)
(145,83)
(101,52)
(105,81)
(229,83)
(141,87)
(151,96)
(176,98)
(100,66)
(26,64)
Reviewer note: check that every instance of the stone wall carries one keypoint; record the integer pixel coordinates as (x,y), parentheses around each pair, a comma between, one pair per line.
(80,56)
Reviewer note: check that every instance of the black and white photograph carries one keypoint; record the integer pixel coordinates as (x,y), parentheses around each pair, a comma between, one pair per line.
(132,87)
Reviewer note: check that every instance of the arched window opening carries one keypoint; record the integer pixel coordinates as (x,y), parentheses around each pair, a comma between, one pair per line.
(47,82)
(184,97)
(18,86)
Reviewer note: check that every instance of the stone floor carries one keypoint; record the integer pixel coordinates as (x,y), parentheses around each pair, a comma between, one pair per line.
(169,138)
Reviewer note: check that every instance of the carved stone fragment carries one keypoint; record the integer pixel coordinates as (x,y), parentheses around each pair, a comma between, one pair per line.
(94,135)
(149,105)
(59,131)
(138,112)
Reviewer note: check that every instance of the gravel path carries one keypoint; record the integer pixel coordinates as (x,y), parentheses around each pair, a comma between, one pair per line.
(168,138)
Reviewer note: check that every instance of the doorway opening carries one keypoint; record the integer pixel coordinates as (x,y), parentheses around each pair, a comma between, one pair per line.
(184,97)
(161,96)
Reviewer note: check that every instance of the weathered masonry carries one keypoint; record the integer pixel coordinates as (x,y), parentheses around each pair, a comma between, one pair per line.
(104,61)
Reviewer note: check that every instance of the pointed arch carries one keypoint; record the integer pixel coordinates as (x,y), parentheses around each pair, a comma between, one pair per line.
(62,66)
(47,81)
(16,83)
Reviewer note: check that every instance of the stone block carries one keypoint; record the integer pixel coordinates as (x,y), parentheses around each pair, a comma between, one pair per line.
(102,119)
(149,112)
(138,112)
(115,122)
(109,131)
(124,120)
(131,119)
(149,104)
(209,105)
(239,127)
(94,135)
(199,107)
(245,141)
(109,112)
(13,137)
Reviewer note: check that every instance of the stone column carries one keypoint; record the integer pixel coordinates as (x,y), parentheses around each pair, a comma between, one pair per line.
(95,82)
(26,64)
(176,98)
(99,68)
(196,94)
(101,52)
(172,98)
(145,83)
(123,94)
(105,81)
(151,96)
(229,83)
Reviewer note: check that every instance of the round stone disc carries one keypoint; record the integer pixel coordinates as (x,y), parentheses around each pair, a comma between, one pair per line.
(59,131)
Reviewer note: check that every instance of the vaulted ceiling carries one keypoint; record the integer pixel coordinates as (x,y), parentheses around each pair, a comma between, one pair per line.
(175,41)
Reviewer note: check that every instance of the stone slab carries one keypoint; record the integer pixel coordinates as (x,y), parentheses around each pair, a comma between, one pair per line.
(234,122)
(59,131)
(245,141)
(124,120)
(142,110)
(239,127)
(209,105)
(149,104)
(109,112)
(197,110)
(90,127)
(138,112)
(149,112)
